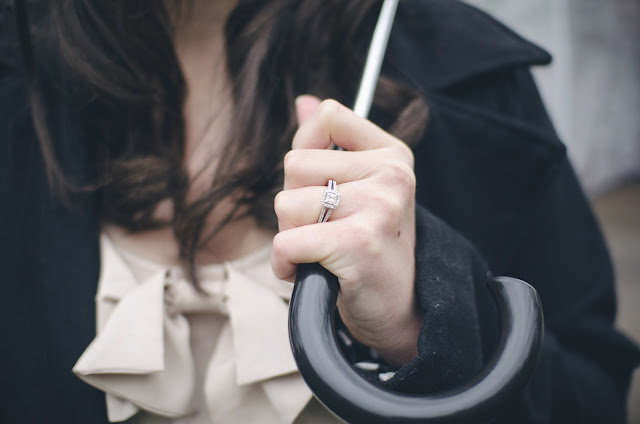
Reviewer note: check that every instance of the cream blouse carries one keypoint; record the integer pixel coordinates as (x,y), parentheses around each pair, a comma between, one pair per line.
(166,354)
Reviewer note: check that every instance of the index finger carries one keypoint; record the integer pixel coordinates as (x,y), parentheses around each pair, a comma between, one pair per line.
(333,123)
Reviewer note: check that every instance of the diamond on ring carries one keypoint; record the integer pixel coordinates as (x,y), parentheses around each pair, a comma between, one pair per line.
(330,201)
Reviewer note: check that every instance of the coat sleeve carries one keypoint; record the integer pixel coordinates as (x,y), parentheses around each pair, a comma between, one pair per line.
(586,364)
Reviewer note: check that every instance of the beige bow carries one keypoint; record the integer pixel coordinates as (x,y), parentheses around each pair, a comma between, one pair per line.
(142,358)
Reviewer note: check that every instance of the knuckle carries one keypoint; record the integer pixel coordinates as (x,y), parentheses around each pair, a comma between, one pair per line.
(328,109)
(406,154)
(279,246)
(400,174)
(291,161)
(278,203)
(391,206)
(391,203)
(366,238)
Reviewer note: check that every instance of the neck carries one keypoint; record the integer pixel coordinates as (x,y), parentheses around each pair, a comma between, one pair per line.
(199,43)
(198,22)
(200,47)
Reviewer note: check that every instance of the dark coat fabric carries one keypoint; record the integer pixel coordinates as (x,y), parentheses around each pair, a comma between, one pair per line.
(498,196)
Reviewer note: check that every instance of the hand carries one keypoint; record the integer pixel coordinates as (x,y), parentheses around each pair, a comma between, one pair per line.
(369,240)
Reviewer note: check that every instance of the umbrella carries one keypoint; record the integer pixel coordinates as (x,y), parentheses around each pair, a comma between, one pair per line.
(342,390)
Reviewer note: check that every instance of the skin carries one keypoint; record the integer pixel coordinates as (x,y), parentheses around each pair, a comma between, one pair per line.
(199,45)
(369,241)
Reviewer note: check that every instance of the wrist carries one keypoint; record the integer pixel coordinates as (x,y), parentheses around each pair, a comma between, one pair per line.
(403,346)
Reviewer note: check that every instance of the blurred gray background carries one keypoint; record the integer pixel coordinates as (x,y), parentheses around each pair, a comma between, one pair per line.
(592,91)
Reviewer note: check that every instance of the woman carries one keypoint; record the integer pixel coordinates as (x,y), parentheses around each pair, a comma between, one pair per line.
(165,132)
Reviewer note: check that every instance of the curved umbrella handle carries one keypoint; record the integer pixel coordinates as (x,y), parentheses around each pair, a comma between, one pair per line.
(339,387)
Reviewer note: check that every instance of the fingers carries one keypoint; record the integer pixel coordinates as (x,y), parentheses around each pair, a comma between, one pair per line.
(334,123)
(315,167)
(297,246)
(305,106)
(339,246)
(369,240)
(325,243)
(375,179)
(390,190)
(302,206)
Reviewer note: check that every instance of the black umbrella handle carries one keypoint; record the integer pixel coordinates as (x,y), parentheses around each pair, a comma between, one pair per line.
(339,387)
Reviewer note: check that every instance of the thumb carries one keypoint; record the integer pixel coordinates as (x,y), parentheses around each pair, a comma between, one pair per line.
(305,105)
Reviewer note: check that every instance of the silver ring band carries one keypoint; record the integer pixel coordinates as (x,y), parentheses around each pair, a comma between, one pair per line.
(330,201)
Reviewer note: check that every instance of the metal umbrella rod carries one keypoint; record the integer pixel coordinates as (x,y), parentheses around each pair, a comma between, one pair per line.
(377,49)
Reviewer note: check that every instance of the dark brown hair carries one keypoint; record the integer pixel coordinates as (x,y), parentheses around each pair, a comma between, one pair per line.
(121,53)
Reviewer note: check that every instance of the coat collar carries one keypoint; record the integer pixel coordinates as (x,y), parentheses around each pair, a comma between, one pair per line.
(456,42)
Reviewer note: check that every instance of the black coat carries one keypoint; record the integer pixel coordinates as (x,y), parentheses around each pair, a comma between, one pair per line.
(490,167)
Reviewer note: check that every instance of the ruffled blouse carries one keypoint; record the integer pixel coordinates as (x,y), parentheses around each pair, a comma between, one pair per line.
(165,353)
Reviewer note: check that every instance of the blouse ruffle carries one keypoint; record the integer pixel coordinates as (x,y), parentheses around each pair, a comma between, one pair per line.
(142,354)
